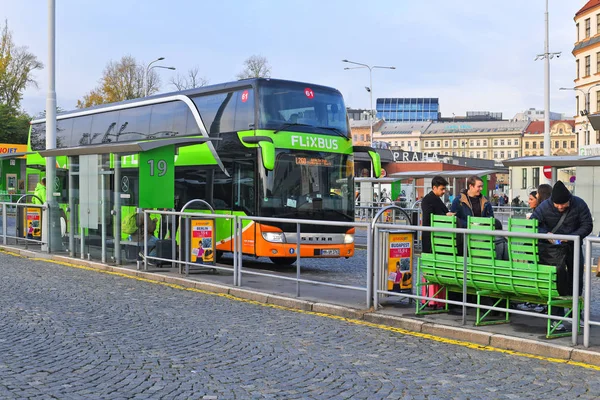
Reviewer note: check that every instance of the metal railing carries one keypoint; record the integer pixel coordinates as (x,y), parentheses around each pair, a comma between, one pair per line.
(379,228)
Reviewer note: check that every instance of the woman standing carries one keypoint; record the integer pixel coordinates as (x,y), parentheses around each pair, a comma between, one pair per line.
(532,201)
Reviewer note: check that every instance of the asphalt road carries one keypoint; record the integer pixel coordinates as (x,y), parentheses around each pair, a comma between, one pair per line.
(70,333)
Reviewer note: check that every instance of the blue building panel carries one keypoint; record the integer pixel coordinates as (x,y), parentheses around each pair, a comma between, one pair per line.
(408,109)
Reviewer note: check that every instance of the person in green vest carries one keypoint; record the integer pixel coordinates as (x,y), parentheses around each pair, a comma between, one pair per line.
(40,191)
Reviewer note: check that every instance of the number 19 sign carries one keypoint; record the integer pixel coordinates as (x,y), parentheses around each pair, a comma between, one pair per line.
(157,178)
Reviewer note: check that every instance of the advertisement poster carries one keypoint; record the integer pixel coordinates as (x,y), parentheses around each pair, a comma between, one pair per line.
(203,241)
(33,223)
(400,262)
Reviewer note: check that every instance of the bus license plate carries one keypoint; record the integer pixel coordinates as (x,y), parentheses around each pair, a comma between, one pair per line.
(330,252)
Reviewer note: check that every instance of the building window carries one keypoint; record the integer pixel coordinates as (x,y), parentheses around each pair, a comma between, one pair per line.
(502,155)
(577,27)
(501,142)
(495,155)
(426,143)
(556,144)
(471,154)
(485,154)
(597,23)
(598,58)
(478,143)
(541,145)
(577,66)
(509,142)
(454,143)
(572,144)
(416,143)
(564,144)
(495,142)
(598,101)
(587,66)
(478,155)
(516,142)
(524,183)
(536,177)
(445,143)
(439,143)
(534,145)
(577,104)
(471,143)
(587,28)
(527,145)
(516,153)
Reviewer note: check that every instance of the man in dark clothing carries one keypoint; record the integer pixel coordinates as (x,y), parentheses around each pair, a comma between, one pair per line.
(577,221)
(471,202)
(433,204)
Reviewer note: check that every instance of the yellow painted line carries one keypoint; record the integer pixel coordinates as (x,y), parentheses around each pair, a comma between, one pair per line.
(401,331)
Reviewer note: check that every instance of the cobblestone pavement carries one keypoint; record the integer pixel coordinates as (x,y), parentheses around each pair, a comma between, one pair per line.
(70,333)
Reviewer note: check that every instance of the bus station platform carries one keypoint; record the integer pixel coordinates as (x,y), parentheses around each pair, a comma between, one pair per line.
(524,334)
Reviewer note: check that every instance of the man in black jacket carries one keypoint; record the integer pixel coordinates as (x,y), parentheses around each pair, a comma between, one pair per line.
(577,221)
(433,204)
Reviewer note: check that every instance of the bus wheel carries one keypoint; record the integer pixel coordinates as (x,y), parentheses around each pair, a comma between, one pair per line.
(283,260)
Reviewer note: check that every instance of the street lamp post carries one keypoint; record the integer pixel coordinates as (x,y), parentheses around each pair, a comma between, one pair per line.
(586,111)
(547,56)
(147,72)
(369,89)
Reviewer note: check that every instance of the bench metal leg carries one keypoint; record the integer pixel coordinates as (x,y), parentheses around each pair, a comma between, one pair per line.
(479,321)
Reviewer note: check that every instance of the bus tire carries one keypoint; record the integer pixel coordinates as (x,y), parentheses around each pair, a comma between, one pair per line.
(283,261)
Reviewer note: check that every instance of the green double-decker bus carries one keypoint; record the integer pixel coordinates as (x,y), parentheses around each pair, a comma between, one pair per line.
(278,149)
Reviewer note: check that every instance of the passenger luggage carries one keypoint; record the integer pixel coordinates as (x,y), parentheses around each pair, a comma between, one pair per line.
(430,291)
(164,249)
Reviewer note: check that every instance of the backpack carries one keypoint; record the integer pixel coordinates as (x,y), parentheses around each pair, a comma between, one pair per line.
(129,224)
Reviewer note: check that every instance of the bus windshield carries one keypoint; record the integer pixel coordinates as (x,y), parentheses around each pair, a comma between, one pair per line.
(296,107)
(309,185)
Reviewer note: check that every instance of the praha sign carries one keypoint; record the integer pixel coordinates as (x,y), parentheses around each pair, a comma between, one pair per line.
(413,156)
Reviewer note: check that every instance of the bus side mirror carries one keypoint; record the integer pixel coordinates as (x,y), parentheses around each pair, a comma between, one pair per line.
(267,149)
(375,158)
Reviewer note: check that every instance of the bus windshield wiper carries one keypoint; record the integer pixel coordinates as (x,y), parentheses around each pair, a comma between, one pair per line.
(287,125)
(336,130)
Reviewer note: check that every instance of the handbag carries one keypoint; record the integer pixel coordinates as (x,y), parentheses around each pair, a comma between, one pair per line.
(556,254)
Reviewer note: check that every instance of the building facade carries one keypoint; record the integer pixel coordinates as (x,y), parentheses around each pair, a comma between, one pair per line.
(408,109)
(587,70)
(533,114)
(402,135)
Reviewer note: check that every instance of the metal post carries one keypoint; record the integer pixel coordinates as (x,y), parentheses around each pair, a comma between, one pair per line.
(187,246)
(81,241)
(4,223)
(72,212)
(575,313)
(117,210)
(145,240)
(103,214)
(173,241)
(372,279)
(234,249)
(240,249)
(588,287)
(464,294)
(297,259)
(547,142)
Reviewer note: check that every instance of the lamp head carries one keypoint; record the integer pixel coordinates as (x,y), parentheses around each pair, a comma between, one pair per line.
(160,58)
(344,60)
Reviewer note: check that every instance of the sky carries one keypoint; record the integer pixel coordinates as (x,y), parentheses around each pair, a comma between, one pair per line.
(473,55)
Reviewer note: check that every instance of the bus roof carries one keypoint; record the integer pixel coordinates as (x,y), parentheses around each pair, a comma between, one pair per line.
(220,87)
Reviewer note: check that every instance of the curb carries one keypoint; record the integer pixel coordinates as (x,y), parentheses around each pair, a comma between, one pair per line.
(485,339)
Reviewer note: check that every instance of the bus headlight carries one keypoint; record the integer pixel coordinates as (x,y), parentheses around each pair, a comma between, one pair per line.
(348,238)
(274,237)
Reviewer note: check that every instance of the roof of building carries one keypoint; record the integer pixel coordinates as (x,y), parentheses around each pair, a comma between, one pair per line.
(402,128)
(536,127)
(477,126)
(589,5)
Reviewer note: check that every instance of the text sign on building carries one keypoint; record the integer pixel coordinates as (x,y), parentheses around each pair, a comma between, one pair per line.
(157,178)
(413,156)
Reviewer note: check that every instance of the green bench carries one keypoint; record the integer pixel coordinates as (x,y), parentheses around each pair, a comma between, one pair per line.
(519,279)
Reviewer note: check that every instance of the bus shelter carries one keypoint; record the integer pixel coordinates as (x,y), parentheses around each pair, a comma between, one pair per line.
(97,190)
(587,172)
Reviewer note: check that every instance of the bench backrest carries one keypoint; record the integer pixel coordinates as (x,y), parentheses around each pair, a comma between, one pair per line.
(443,243)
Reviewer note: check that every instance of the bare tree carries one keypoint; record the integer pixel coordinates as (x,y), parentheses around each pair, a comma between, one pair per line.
(122,80)
(189,81)
(16,69)
(256,66)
